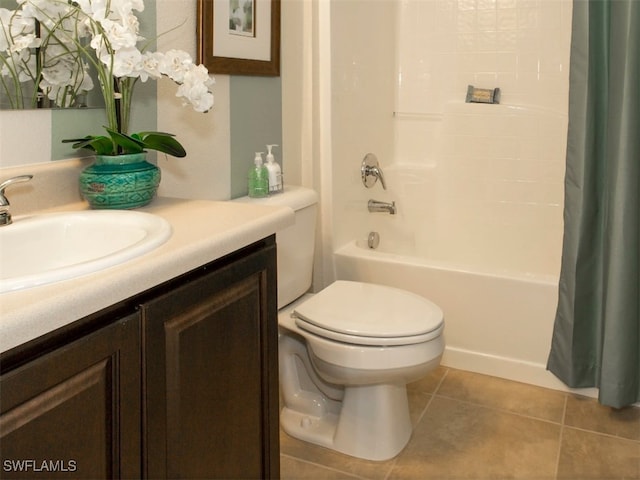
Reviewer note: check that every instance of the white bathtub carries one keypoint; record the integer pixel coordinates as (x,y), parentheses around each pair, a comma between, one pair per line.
(496,324)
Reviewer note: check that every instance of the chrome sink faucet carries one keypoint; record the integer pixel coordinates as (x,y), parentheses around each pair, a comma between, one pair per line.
(5,216)
(377,206)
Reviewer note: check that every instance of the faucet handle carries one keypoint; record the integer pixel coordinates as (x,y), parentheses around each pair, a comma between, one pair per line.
(371,171)
(4,202)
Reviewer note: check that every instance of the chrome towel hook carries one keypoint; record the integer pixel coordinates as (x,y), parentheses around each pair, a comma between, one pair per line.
(371,171)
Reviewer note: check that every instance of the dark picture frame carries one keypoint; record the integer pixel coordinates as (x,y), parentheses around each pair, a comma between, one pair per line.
(239,37)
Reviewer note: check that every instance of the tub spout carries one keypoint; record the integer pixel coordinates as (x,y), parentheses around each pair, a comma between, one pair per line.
(377,206)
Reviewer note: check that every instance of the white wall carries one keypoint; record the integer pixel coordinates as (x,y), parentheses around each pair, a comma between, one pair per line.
(205,172)
(295,64)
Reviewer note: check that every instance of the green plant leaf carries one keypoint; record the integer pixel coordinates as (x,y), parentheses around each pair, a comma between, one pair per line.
(164,143)
(128,143)
(135,143)
(101,145)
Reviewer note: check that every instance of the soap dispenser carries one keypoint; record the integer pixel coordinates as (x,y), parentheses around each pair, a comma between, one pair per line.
(275,172)
(258,178)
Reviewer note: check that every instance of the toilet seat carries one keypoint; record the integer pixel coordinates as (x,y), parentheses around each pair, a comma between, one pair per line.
(369,314)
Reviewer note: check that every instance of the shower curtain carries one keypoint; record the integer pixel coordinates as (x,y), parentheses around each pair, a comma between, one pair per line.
(596,338)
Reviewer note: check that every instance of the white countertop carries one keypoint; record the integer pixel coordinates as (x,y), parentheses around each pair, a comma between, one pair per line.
(203,231)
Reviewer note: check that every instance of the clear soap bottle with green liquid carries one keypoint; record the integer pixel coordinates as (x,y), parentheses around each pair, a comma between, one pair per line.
(258,178)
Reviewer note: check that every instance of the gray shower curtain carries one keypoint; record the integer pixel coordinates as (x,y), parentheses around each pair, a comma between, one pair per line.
(596,338)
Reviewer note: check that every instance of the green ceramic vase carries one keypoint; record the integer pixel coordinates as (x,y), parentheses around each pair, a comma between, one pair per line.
(120,181)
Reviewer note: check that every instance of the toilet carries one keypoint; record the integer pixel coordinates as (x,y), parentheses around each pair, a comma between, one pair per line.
(346,353)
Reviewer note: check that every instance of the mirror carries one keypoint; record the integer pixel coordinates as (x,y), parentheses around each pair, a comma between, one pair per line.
(52,124)
(43,65)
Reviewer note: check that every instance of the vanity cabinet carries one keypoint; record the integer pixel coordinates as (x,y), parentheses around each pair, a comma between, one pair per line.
(185,385)
(74,412)
(211,376)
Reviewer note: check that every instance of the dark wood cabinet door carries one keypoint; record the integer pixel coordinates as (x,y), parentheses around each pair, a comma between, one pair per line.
(211,382)
(75,412)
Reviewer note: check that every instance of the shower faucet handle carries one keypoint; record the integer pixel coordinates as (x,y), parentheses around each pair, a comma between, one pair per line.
(371,171)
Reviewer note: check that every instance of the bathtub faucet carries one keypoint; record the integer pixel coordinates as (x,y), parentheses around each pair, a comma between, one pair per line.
(376,206)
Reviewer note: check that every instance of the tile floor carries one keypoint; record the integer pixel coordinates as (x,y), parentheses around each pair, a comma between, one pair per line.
(476,427)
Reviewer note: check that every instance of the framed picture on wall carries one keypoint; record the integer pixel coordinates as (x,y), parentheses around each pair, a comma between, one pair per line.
(239,37)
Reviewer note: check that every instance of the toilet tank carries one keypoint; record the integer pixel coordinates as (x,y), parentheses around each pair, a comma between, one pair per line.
(296,243)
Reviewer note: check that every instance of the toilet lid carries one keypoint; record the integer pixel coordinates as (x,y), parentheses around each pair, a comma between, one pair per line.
(370,314)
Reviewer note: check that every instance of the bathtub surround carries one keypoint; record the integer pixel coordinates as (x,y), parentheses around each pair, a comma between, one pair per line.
(596,340)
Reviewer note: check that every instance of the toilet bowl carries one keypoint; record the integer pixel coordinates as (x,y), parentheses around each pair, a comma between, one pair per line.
(346,353)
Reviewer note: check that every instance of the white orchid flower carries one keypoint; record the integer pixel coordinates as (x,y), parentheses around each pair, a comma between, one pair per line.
(151,66)
(118,35)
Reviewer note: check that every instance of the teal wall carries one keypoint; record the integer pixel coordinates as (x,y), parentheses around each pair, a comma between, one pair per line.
(256,120)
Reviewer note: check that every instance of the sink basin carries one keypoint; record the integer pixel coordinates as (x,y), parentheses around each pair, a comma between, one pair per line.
(48,248)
